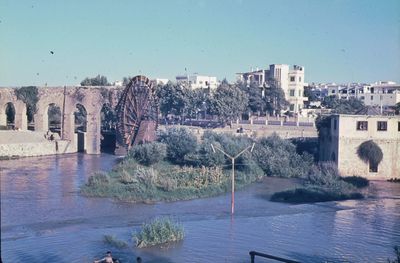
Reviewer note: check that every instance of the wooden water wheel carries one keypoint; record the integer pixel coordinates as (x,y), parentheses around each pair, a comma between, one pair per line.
(137,113)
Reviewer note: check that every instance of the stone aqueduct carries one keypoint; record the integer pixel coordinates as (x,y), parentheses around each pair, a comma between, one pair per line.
(92,99)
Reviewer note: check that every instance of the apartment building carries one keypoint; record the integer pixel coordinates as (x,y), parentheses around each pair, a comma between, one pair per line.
(383,93)
(290,80)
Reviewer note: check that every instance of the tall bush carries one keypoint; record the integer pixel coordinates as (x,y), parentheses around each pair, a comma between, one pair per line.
(180,142)
(149,153)
(278,157)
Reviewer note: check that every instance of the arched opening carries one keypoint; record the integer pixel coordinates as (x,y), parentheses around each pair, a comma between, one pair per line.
(54,118)
(10,113)
(80,126)
(30,112)
(108,125)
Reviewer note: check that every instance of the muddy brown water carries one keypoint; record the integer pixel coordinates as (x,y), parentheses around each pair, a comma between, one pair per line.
(44,219)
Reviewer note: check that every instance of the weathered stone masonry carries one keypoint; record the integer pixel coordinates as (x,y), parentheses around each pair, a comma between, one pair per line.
(67,98)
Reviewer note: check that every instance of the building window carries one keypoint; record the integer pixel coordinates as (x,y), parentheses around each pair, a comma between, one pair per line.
(362,126)
(292,79)
(398,126)
(300,79)
(291,93)
(362,98)
(292,107)
(333,91)
(382,125)
(372,97)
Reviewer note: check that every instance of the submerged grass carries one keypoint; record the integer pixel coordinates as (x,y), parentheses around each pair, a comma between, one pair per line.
(113,241)
(163,181)
(357,181)
(312,195)
(158,231)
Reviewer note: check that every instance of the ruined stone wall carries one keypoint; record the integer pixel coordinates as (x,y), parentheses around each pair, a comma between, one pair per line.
(91,98)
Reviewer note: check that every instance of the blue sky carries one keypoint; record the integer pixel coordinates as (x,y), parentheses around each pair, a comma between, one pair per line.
(340,41)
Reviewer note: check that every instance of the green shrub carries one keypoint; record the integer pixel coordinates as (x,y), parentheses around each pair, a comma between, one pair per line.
(158,231)
(149,153)
(232,145)
(370,152)
(323,174)
(356,181)
(180,142)
(278,157)
(99,178)
(204,156)
(113,241)
(311,195)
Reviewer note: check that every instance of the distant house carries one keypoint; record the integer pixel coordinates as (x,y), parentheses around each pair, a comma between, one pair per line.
(343,134)
(196,81)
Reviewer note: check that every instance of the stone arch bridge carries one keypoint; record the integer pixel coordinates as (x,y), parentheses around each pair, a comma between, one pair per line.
(91,98)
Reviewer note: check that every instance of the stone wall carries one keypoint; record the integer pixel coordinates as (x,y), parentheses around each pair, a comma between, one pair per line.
(91,99)
(36,148)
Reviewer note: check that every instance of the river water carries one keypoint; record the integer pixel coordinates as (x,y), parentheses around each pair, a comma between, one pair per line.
(44,219)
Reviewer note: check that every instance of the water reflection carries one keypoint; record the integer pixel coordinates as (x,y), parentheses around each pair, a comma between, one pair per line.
(44,217)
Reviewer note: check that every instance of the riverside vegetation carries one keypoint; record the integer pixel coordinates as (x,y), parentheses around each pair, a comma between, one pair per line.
(161,230)
(179,167)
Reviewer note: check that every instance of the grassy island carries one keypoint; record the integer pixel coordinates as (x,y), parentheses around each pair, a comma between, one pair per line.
(180,167)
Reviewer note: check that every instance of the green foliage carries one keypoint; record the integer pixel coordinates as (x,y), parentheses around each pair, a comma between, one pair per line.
(278,157)
(397,108)
(149,153)
(311,195)
(108,117)
(307,145)
(96,81)
(172,98)
(322,184)
(397,255)
(180,142)
(370,152)
(275,99)
(356,181)
(113,241)
(159,231)
(204,156)
(30,96)
(310,94)
(256,103)
(228,102)
(10,112)
(80,117)
(54,114)
(343,106)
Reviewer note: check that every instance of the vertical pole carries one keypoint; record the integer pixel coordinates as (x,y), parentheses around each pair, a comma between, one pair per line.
(233,187)
(62,114)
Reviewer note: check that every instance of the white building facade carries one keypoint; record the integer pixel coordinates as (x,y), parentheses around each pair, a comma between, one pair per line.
(347,132)
(290,80)
(196,81)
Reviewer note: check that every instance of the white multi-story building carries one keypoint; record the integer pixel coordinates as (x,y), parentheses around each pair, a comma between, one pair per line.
(196,81)
(383,93)
(291,81)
